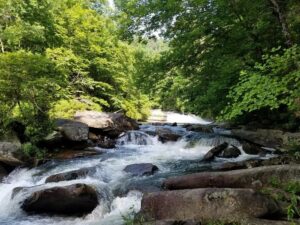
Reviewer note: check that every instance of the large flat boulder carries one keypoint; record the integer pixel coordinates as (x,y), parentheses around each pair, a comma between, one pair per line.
(71,175)
(246,178)
(76,199)
(226,205)
(268,137)
(111,124)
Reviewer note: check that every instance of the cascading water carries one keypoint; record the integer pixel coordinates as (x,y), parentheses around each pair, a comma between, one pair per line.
(118,189)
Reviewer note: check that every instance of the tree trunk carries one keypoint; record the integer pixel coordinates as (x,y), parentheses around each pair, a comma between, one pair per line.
(283,23)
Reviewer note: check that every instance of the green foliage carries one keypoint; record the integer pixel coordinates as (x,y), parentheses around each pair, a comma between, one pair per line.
(67,108)
(33,151)
(221,53)
(271,84)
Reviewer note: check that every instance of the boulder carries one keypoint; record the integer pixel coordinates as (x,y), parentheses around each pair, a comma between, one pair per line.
(110,124)
(10,151)
(245,178)
(252,149)
(165,135)
(230,152)
(142,169)
(72,130)
(223,151)
(224,204)
(76,199)
(71,175)
(72,154)
(268,137)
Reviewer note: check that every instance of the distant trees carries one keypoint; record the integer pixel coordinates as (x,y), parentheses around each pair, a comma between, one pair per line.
(226,59)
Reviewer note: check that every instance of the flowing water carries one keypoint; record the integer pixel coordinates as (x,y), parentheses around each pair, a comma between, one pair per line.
(118,190)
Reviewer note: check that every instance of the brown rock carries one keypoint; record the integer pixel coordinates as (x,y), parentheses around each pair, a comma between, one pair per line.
(245,178)
(226,205)
(71,175)
(76,199)
(211,154)
(72,154)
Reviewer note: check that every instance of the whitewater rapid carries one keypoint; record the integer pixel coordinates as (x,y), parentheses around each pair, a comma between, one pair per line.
(111,182)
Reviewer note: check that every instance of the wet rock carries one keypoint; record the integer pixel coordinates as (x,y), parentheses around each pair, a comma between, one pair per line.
(106,142)
(135,137)
(72,154)
(230,152)
(224,204)
(251,148)
(210,155)
(72,130)
(142,169)
(110,124)
(245,178)
(200,128)
(3,173)
(165,135)
(71,175)
(76,199)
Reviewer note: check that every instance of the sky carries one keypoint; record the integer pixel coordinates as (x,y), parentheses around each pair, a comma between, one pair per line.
(111,4)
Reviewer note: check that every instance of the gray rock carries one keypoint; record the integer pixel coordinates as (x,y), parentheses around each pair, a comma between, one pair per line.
(10,151)
(73,130)
(76,199)
(141,169)
(165,135)
(111,124)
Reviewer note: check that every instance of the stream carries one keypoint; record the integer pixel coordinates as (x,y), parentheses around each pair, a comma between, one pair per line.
(118,189)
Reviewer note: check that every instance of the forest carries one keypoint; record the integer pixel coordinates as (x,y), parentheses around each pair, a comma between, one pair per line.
(82,80)
(225,60)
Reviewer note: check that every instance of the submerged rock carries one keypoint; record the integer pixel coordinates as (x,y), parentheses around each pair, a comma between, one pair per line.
(135,137)
(76,199)
(110,124)
(224,204)
(245,178)
(142,169)
(71,175)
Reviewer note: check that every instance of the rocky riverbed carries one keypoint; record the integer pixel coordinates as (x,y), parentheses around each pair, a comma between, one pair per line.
(105,169)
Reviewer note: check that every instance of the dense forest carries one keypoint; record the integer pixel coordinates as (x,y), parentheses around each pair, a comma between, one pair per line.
(225,60)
